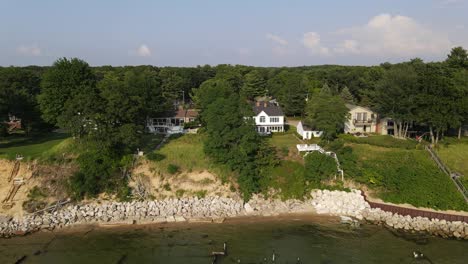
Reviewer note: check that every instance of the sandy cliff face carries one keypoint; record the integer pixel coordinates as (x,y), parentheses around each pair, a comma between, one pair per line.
(50,179)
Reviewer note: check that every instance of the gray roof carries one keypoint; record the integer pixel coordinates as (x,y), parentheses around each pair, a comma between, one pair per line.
(270,109)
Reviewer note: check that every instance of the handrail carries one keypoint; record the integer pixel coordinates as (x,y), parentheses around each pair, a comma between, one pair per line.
(447,171)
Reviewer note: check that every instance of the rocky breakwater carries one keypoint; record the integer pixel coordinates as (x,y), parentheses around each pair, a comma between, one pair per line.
(169,210)
(437,227)
(352,204)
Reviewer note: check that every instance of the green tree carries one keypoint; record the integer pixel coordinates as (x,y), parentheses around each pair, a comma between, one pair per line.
(61,83)
(319,167)
(18,90)
(347,96)
(254,85)
(291,90)
(327,113)
(458,58)
(395,96)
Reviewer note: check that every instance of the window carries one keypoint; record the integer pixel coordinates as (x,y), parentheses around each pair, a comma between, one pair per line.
(359,116)
(274,119)
(262,119)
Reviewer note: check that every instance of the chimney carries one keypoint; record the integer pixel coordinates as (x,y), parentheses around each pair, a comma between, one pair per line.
(258,103)
(265,104)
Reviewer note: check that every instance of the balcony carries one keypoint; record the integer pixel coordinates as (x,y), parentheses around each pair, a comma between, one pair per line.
(367,122)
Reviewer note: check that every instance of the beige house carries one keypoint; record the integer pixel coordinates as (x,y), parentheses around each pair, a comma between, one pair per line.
(361,120)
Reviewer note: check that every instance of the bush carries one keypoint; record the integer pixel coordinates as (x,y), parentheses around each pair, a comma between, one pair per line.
(319,167)
(172,169)
(167,187)
(179,193)
(3,130)
(96,174)
(201,194)
(190,125)
(153,156)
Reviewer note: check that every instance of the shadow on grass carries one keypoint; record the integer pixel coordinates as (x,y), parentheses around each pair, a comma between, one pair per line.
(20,141)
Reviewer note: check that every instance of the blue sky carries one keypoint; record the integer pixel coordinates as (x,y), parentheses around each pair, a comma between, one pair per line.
(261,33)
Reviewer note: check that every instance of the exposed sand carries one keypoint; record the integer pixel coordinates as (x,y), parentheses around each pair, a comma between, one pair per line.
(50,178)
(184,184)
(25,173)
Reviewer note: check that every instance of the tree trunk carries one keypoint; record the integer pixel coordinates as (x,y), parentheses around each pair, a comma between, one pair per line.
(406,131)
(459,132)
(437,137)
(432,135)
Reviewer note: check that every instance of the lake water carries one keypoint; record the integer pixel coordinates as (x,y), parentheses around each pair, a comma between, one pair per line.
(312,240)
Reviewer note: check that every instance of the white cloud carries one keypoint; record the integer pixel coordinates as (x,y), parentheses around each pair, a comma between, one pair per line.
(277,39)
(311,40)
(143,51)
(393,36)
(32,50)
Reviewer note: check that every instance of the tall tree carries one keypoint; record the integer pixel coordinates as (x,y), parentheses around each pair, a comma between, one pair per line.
(18,90)
(254,85)
(60,84)
(347,96)
(327,113)
(291,90)
(395,96)
(458,58)
(231,138)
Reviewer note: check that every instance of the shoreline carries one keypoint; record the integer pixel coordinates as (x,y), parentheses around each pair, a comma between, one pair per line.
(247,219)
(324,206)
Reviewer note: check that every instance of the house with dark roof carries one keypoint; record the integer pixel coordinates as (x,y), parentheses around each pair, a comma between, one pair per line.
(171,122)
(268,117)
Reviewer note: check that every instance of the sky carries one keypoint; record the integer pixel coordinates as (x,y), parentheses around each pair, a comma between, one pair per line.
(249,32)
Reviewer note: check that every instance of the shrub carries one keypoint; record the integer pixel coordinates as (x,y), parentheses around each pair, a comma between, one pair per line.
(153,156)
(96,174)
(179,193)
(285,151)
(167,187)
(201,194)
(319,167)
(172,169)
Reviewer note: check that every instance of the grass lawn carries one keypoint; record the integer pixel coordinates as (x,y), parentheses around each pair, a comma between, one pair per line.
(284,140)
(454,153)
(400,175)
(287,177)
(186,152)
(382,141)
(38,147)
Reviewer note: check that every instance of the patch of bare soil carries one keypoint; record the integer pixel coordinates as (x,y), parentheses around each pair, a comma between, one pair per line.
(183,184)
(48,179)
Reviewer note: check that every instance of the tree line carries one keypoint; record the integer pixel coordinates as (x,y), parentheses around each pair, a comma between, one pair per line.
(106,107)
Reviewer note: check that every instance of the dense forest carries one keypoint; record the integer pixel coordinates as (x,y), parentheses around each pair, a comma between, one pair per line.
(106,107)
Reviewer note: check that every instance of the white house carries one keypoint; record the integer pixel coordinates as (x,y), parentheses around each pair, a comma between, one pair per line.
(361,119)
(306,132)
(268,117)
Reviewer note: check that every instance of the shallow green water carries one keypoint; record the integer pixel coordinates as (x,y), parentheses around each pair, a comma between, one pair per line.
(249,241)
